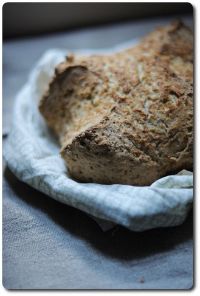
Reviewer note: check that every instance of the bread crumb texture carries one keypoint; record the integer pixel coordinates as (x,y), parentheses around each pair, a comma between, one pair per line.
(127,117)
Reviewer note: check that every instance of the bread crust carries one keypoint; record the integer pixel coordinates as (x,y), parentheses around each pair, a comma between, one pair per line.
(128,117)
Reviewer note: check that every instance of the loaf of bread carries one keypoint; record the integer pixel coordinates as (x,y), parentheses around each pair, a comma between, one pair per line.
(127,117)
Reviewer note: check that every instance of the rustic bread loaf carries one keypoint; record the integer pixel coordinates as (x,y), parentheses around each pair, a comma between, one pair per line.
(128,117)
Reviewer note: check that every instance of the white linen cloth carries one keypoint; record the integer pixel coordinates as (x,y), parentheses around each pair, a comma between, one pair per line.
(33,156)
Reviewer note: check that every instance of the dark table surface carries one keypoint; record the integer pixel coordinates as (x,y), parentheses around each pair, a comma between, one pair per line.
(48,245)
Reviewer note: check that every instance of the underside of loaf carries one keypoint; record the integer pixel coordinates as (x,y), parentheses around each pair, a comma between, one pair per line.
(128,117)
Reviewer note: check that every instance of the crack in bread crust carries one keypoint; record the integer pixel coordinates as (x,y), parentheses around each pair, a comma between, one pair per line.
(128,117)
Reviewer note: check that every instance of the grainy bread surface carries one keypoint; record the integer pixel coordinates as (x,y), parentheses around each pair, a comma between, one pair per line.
(128,117)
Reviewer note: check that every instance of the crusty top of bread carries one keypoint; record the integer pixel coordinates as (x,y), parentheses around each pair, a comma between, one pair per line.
(131,110)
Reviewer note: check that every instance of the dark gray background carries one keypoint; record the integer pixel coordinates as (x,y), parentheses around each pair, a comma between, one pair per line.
(22,19)
(48,245)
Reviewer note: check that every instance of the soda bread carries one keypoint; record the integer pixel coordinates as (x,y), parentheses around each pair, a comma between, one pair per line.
(128,117)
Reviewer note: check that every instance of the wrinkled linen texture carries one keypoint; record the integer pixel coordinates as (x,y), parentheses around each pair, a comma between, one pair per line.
(32,154)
